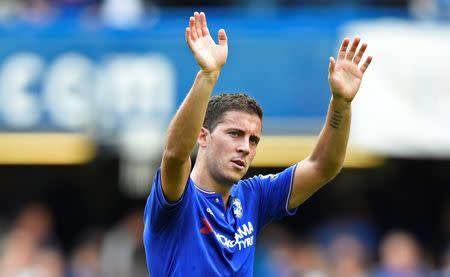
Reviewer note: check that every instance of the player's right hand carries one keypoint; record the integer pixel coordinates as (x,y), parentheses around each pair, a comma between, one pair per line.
(209,55)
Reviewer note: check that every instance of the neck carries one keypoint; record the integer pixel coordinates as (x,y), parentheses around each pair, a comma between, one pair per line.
(203,179)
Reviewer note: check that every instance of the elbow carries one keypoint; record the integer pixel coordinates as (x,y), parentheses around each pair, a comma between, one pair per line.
(334,171)
(329,170)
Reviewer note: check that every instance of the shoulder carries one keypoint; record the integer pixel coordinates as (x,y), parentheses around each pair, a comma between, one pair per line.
(158,194)
(255,180)
(260,180)
(248,182)
(249,185)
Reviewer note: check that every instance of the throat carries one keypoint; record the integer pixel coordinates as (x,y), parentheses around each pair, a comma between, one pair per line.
(207,181)
(211,185)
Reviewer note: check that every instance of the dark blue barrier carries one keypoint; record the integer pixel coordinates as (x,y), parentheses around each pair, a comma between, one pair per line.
(279,57)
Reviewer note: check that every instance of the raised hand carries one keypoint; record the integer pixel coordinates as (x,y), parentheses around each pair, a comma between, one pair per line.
(209,55)
(344,76)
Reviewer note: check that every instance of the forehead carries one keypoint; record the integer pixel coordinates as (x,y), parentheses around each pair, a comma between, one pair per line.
(250,123)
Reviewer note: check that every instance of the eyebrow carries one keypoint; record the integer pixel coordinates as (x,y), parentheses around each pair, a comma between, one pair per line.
(254,137)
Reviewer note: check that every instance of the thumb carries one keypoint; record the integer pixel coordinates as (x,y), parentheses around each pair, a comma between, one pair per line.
(332,65)
(222,37)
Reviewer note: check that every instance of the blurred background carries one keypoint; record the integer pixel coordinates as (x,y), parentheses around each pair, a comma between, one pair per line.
(87,89)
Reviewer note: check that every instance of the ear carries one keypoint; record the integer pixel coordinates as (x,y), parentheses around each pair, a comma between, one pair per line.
(202,139)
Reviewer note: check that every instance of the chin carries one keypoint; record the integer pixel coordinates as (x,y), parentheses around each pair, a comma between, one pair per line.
(231,179)
(229,176)
(236,176)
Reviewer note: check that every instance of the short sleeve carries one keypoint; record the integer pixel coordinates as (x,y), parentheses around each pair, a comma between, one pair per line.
(158,211)
(275,194)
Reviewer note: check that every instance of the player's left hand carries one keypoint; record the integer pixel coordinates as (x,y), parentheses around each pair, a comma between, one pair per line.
(344,75)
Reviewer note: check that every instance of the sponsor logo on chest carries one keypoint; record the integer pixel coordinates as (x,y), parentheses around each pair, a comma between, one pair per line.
(243,237)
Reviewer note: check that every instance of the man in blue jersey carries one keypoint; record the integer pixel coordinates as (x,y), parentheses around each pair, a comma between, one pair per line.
(205,222)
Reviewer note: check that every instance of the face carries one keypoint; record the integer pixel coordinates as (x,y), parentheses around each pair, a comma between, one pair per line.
(230,148)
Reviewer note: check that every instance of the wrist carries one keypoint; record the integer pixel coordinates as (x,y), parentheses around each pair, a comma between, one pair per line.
(212,75)
(340,103)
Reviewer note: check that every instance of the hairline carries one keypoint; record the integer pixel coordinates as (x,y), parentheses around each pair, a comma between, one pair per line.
(220,119)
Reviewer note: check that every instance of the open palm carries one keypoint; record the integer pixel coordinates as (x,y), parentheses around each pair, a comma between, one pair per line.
(344,75)
(209,55)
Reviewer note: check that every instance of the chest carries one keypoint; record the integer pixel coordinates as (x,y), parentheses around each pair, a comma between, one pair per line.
(232,228)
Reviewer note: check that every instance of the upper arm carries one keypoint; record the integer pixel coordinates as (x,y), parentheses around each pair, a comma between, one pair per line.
(308,178)
(174,175)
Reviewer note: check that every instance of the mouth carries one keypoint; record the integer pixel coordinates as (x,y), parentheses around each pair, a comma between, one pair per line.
(239,163)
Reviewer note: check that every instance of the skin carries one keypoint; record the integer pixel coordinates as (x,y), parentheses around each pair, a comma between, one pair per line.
(234,139)
(226,153)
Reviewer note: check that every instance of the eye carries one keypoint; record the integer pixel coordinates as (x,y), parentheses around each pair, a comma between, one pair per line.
(233,133)
(254,140)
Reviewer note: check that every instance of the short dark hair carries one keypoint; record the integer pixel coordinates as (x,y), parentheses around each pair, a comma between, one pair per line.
(220,104)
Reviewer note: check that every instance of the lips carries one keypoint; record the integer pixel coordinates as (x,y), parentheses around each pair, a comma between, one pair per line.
(240,163)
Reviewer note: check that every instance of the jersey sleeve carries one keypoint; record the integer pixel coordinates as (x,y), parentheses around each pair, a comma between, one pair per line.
(275,192)
(159,212)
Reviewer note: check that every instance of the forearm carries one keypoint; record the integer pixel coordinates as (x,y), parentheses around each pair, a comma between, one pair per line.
(187,122)
(328,156)
(329,153)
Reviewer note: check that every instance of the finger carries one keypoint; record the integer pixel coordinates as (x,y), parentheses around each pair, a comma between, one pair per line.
(343,49)
(332,65)
(360,54)
(366,64)
(351,53)
(198,24)
(192,28)
(223,40)
(188,37)
(205,30)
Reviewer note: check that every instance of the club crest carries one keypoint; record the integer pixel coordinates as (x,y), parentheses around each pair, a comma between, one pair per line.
(237,208)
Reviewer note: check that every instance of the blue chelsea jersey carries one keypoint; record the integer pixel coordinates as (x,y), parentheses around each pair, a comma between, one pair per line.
(199,236)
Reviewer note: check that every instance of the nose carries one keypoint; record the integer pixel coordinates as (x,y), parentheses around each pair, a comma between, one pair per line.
(244,146)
